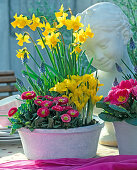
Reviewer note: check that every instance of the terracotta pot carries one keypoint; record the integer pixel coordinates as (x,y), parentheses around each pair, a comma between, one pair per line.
(78,142)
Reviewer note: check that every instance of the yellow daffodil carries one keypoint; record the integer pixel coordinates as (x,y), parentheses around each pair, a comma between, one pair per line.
(48,29)
(62,20)
(59,14)
(80,36)
(35,23)
(22,52)
(88,32)
(77,49)
(22,39)
(74,23)
(51,40)
(20,21)
(40,42)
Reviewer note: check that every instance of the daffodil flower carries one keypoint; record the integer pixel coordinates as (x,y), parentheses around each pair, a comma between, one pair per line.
(20,21)
(59,14)
(22,39)
(22,52)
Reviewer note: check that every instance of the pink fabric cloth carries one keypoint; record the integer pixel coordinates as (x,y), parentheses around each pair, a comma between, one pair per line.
(120,162)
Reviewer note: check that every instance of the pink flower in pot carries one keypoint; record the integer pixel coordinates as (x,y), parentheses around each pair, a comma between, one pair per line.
(65,118)
(73,113)
(60,100)
(12,111)
(43,112)
(28,95)
(46,103)
(57,108)
(38,102)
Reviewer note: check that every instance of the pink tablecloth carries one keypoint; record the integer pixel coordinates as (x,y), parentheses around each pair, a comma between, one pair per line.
(120,162)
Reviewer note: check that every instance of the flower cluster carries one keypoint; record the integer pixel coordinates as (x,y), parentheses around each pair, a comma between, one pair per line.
(120,94)
(121,103)
(48,107)
(51,32)
(79,89)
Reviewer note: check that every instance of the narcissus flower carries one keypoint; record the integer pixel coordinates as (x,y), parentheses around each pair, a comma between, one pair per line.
(21,53)
(48,97)
(22,39)
(73,113)
(48,29)
(62,20)
(38,102)
(41,43)
(65,118)
(51,40)
(74,23)
(57,108)
(35,22)
(20,21)
(60,100)
(46,103)
(28,95)
(43,112)
(12,111)
(59,14)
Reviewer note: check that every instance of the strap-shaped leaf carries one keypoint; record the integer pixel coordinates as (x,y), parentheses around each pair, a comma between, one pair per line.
(108,117)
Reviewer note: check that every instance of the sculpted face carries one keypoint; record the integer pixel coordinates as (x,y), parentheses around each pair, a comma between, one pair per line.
(106,48)
(111,33)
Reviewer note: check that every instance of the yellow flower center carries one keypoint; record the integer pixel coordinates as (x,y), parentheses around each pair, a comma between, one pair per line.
(28,94)
(38,101)
(46,104)
(72,113)
(65,118)
(43,112)
(121,98)
(60,100)
(12,111)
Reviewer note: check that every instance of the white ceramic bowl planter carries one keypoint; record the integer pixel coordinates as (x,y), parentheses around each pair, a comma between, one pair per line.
(126,135)
(78,142)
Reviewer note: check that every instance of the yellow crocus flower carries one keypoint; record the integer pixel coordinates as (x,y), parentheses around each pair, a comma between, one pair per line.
(20,21)
(59,14)
(22,39)
(22,52)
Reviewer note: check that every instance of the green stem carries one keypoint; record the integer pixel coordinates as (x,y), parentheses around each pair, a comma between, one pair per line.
(89,111)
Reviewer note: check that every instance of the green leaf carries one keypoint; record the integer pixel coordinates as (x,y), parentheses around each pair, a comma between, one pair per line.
(119,109)
(108,117)
(132,121)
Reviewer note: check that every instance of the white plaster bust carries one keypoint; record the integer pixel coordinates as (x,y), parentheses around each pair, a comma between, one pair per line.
(109,45)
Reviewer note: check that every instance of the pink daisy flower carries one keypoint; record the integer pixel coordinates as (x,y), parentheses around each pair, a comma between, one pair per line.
(65,118)
(43,112)
(57,108)
(60,100)
(38,102)
(28,95)
(67,108)
(12,111)
(46,103)
(48,97)
(73,113)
